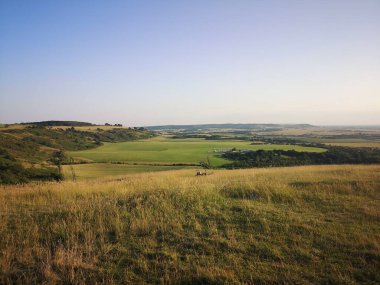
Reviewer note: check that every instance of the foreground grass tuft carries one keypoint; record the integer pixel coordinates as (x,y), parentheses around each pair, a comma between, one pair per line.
(301,225)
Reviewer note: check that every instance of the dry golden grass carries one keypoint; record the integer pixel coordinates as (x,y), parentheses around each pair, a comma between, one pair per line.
(300,225)
(13,127)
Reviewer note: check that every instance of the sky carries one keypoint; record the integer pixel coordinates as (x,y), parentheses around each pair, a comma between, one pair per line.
(157,62)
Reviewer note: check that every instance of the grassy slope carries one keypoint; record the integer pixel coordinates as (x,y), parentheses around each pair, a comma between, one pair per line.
(300,225)
(171,151)
(28,153)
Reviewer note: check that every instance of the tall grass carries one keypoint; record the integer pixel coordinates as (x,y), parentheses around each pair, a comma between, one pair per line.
(299,225)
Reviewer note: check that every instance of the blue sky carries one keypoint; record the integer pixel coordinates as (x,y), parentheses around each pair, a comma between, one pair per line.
(178,62)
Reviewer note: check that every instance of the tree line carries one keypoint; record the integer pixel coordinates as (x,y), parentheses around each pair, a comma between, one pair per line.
(276,158)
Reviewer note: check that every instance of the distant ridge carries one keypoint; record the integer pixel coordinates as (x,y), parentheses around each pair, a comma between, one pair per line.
(59,123)
(226,126)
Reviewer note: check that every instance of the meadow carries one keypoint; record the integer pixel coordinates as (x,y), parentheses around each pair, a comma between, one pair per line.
(347,142)
(371,144)
(161,150)
(100,170)
(296,225)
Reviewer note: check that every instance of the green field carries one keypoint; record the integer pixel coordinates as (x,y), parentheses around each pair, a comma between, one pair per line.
(355,144)
(170,151)
(345,142)
(100,170)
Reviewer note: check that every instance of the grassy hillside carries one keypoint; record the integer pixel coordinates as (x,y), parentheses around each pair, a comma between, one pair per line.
(299,225)
(168,151)
(28,152)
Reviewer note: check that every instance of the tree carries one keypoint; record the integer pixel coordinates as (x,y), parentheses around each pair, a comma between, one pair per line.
(58,158)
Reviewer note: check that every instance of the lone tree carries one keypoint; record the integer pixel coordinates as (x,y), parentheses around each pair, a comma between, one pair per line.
(57,159)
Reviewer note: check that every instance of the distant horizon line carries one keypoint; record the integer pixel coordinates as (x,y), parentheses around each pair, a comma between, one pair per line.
(201,124)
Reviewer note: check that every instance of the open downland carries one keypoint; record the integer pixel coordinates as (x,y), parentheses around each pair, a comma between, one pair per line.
(170,151)
(297,225)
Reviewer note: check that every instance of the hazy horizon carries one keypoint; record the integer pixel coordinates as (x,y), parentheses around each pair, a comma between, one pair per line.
(191,62)
(205,123)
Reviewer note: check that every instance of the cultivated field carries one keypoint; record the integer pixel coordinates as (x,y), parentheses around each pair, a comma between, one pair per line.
(355,144)
(163,150)
(297,225)
(346,142)
(100,170)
